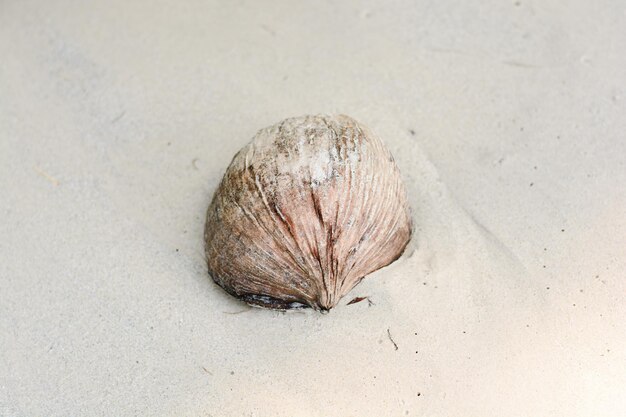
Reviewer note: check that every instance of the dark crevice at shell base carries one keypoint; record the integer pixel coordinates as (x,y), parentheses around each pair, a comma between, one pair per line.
(267,301)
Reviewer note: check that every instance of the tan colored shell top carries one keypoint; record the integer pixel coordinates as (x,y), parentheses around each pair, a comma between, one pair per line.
(308,208)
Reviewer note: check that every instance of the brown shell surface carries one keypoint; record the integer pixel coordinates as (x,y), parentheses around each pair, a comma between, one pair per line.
(308,208)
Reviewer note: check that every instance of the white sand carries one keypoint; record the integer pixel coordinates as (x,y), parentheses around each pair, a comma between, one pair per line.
(117,120)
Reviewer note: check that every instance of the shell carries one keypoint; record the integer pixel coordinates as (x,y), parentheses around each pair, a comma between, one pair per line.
(308,208)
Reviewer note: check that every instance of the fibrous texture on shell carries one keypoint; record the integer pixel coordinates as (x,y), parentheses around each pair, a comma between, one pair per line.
(308,208)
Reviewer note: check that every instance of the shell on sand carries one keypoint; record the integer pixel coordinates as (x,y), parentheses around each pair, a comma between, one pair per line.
(308,208)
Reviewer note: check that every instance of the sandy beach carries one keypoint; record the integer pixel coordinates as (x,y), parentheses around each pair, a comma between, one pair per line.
(507,120)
